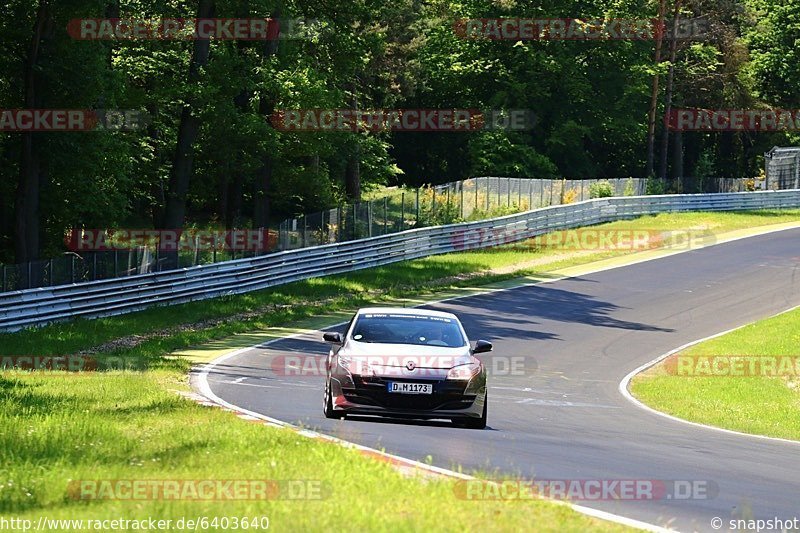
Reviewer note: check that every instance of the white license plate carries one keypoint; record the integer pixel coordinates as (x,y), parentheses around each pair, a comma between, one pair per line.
(410,388)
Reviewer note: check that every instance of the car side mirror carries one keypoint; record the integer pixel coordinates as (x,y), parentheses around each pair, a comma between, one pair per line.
(333,336)
(482,347)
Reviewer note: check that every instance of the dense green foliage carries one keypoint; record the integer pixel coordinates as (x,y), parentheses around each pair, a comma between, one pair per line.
(601,189)
(590,99)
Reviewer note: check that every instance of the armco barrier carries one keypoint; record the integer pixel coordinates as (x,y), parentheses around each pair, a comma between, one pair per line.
(34,307)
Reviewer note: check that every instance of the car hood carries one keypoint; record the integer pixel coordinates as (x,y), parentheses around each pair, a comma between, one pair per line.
(379,355)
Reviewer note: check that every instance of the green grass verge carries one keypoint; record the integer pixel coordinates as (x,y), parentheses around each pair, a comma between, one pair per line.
(126,427)
(759,405)
(132,425)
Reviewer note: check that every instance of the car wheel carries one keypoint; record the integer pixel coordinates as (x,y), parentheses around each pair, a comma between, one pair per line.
(327,403)
(479,423)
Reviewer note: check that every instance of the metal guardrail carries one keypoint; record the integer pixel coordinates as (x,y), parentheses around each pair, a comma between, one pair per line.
(34,307)
(468,200)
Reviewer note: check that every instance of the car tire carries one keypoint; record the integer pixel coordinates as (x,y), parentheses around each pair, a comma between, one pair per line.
(479,423)
(328,404)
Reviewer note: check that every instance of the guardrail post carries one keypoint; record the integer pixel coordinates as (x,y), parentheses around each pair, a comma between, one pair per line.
(416,216)
(461,214)
(797,171)
(530,195)
(385,215)
(4,278)
(541,193)
(355,220)
(402,211)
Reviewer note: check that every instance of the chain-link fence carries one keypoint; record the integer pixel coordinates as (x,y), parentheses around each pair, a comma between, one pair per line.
(782,168)
(467,200)
(76,267)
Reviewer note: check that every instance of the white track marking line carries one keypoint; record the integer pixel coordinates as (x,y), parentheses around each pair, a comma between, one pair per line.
(205,389)
(588,511)
(624,387)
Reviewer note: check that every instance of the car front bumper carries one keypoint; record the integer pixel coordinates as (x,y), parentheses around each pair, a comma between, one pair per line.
(450,399)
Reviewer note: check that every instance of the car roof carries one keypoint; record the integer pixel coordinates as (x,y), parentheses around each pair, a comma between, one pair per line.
(405,311)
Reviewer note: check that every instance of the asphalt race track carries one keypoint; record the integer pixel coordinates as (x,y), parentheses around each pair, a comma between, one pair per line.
(566,419)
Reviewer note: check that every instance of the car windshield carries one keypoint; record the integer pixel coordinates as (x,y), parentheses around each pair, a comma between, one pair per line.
(423,330)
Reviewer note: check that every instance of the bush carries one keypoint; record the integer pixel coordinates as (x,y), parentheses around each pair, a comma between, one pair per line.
(601,189)
(630,188)
(655,186)
(569,196)
(437,209)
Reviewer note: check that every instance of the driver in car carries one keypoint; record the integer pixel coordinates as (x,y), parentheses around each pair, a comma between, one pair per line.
(434,337)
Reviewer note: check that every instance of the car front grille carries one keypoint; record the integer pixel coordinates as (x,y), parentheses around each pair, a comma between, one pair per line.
(373,391)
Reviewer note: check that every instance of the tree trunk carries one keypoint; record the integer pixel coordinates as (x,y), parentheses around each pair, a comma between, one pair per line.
(673,48)
(352,173)
(26,237)
(651,125)
(677,156)
(222,196)
(266,107)
(234,214)
(157,184)
(188,129)
(261,211)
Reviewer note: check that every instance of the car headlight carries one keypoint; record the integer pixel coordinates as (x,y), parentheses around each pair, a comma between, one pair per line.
(464,372)
(355,365)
